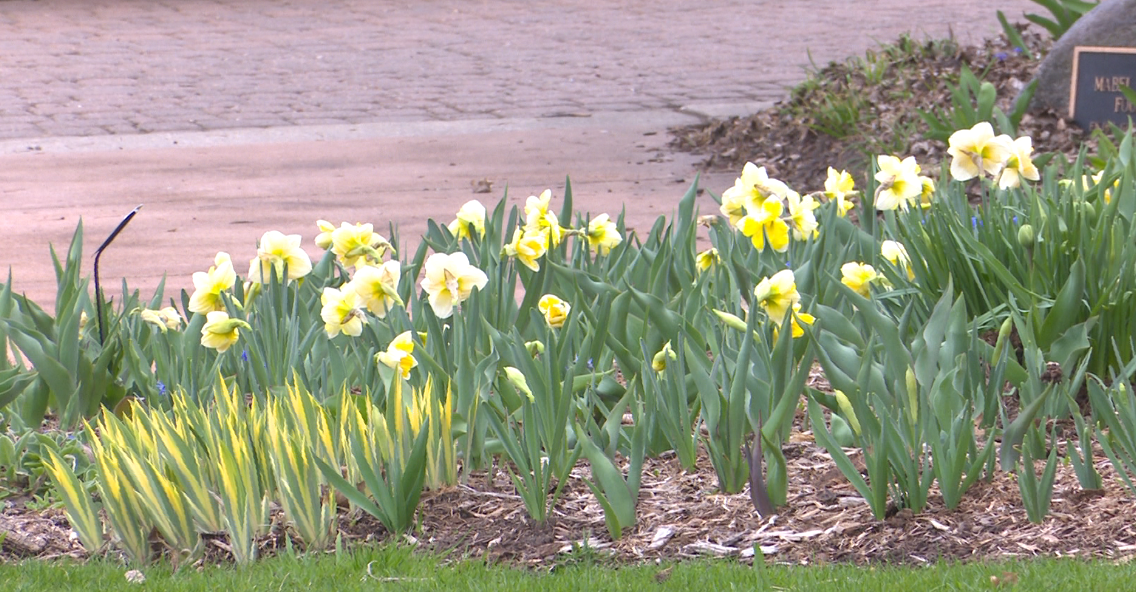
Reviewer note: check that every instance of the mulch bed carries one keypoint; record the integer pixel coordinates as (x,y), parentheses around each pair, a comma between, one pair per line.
(681,516)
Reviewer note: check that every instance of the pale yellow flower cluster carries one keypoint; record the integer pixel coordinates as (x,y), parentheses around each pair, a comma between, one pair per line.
(373,286)
(900,184)
(756,205)
(977,151)
(542,231)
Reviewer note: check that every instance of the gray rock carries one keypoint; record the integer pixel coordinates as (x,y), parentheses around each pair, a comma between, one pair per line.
(1110,24)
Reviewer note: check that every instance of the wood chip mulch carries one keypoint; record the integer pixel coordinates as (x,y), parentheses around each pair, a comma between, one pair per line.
(681,515)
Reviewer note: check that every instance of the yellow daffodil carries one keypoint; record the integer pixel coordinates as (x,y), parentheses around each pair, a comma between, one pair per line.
(340,312)
(470,220)
(399,354)
(801,215)
(976,151)
(764,222)
(899,180)
(356,245)
(777,294)
(927,191)
(449,280)
(518,380)
(527,247)
(275,252)
(323,239)
(798,318)
(749,190)
(1018,165)
(859,277)
(220,332)
(707,259)
(165,319)
(603,235)
(377,286)
(208,285)
(554,309)
(896,253)
(659,360)
(838,187)
(539,220)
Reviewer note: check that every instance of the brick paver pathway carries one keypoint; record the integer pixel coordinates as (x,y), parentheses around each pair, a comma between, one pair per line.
(95,67)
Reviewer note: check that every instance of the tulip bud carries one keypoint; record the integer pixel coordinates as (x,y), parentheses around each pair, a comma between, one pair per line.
(1026,237)
(846,409)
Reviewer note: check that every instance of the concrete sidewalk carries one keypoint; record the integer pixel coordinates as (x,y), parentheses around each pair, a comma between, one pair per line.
(228,118)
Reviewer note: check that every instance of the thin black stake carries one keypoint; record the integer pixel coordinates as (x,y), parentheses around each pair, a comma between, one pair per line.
(98,289)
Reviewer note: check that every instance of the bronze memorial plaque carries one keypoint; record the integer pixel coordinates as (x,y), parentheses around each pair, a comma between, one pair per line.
(1098,75)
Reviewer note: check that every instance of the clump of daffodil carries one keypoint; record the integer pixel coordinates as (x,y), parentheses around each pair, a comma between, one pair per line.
(707,259)
(554,309)
(900,182)
(356,245)
(399,354)
(518,380)
(377,286)
(750,189)
(896,253)
(208,285)
(470,220)
(839,187)
(275,252)
(449,280)
(602,234)
(527,247)
(777,295)
(859,277)
(221,332)
(764,222)
(1018,165)
(801,215)
(976,151)
(165,319)
(340,312)
(659,360)
(539,220)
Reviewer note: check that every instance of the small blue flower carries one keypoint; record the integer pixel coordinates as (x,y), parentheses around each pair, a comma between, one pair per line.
(245,356)
(1015,219)
(161,388)
(1018,50)
(1001,56)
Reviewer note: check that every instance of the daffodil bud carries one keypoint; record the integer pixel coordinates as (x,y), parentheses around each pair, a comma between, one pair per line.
(1003,333)
(1026,236)
(730,320)
(846,409)
(1090,212)
(535,348)
(517,378)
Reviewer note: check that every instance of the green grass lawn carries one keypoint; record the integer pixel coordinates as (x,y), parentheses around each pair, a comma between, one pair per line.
(389,568)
